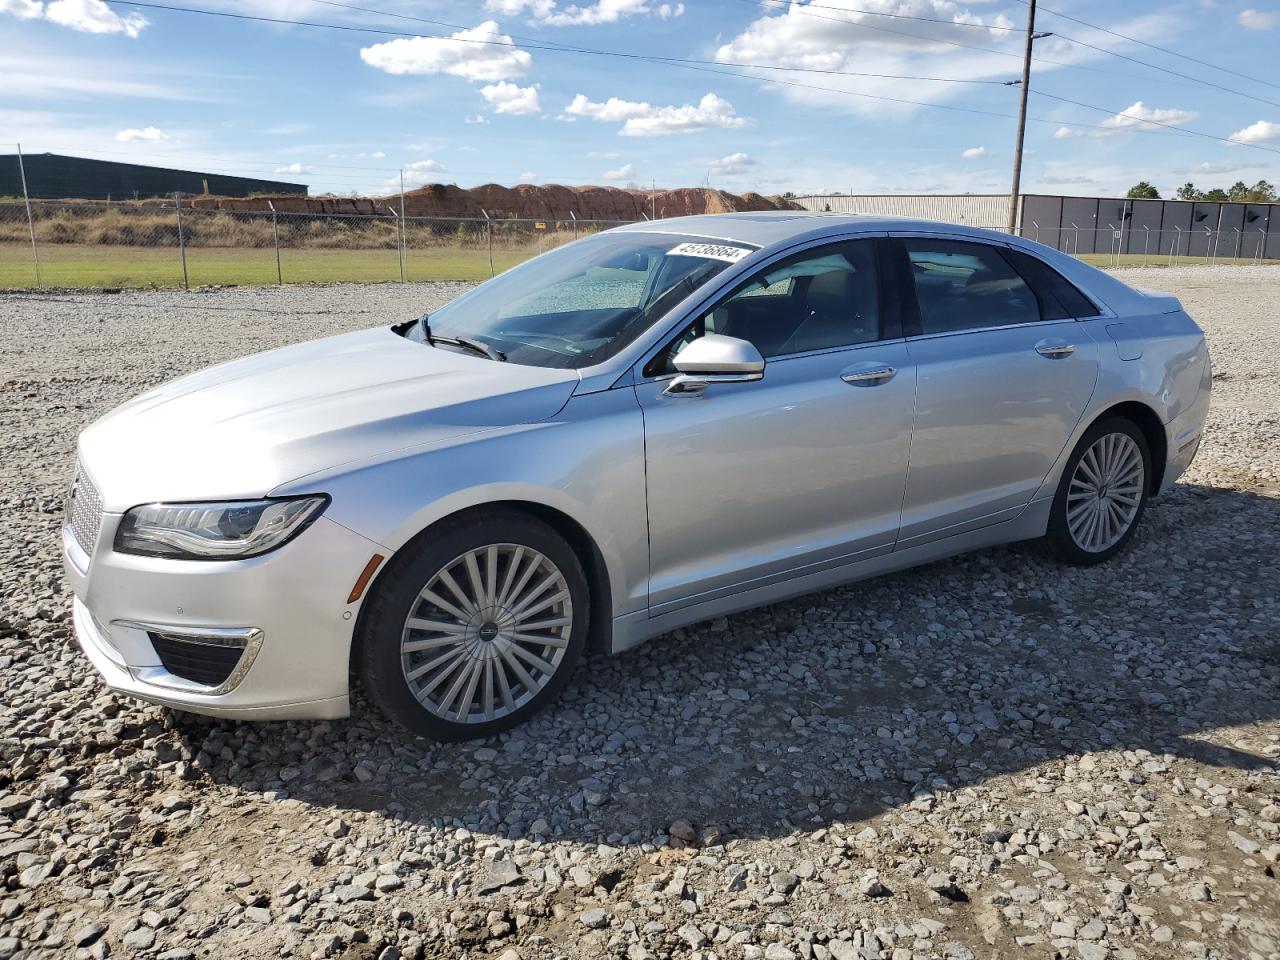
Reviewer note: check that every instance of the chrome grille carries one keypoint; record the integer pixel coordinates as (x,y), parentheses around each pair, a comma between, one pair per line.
(84,510)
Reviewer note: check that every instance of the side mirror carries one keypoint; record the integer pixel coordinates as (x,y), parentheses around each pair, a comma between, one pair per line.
(715,359)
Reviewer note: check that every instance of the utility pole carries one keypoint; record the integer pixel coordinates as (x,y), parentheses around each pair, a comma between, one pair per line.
(653,194)
(1025,83)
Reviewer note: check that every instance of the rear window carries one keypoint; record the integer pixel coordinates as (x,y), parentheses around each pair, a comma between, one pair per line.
(1059,298)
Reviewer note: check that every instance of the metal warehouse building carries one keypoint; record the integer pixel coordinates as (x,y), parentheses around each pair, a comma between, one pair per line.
(51,176)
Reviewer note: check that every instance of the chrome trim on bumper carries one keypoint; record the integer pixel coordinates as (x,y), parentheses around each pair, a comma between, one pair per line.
(249,639)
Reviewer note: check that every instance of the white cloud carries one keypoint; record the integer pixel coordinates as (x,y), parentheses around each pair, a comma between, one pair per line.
(609,11)
(1055,181)
(973,153)
(87,16)
(94,16)
(479,54)
(511,8)
(416,174)
(1137,117)
(294,168)
(1263,131)
(146,134)
(528,175)
(510,98)
(624,172)
(22,9)
(478,118)
(849,36)
(646,120)
(1258,19)
(590,14)
(732,164)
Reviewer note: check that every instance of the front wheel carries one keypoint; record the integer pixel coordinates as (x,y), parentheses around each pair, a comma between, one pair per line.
(1102,494)
(476,626)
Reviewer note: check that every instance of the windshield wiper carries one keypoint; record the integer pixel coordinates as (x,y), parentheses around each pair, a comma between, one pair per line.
(467,344)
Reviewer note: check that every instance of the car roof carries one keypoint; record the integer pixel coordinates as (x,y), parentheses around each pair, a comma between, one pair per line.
(768,227)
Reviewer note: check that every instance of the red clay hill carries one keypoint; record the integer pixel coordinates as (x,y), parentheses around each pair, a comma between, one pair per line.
(549,202)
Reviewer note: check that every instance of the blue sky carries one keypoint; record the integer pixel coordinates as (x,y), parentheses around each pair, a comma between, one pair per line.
(345,111)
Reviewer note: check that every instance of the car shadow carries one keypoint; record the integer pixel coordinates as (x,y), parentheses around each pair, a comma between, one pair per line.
(834,707)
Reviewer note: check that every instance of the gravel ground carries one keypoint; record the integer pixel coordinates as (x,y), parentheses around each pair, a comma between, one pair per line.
(993,756)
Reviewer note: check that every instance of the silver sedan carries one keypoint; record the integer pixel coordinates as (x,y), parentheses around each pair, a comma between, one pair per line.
(643,429)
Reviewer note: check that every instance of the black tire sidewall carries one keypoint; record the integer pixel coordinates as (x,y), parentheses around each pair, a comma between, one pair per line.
(397,590)
(1059,534)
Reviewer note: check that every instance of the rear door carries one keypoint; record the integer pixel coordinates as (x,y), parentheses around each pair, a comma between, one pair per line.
(1003,374)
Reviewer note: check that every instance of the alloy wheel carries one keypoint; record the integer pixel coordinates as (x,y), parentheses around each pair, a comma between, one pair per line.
(1105,493)
(487,633)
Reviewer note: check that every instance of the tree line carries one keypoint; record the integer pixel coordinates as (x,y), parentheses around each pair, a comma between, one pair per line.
(1238,192)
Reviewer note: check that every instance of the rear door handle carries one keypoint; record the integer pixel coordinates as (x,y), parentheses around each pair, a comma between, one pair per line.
(868,374)
(1055,349)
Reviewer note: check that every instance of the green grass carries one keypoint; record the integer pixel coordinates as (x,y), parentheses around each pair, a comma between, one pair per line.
(68,265)
(93,266)
(1159,260)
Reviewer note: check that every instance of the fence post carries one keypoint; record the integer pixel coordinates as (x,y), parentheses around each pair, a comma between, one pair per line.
(402,236)
(275,235)
(488,237)
(31,224)
(182,244)
(1239,237)
(1177,242)
(1146,244)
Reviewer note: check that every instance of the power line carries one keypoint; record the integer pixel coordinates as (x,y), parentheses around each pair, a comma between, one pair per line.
(533,45)
(1158,123)
(1172,73)
(687,63)
(1198,81)
(1153,46)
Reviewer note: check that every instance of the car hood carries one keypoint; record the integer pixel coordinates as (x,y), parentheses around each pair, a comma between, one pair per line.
(242,428)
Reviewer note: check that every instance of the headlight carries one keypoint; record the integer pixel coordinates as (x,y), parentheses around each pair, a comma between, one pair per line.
(230,530)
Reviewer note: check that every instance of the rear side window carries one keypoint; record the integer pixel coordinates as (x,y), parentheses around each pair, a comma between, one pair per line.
(1059,298)
(967,286)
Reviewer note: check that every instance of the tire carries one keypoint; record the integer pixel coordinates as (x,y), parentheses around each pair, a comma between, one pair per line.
(430,581)
(1074,536)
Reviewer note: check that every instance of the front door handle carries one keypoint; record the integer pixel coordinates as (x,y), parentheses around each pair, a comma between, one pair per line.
(1055,349)
(868,374)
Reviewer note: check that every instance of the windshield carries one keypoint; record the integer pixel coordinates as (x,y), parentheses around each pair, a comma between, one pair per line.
(583,302)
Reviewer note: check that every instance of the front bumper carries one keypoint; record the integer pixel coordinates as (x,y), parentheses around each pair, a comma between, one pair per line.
(289,606)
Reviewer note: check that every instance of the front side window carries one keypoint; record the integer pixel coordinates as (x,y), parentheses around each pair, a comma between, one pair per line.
(816,300)
(967,286)
(582,303)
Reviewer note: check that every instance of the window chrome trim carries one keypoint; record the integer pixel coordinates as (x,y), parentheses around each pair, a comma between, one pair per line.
(989,329)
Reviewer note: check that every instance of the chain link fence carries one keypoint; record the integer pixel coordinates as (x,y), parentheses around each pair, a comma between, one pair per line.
(172,245)
(168,244)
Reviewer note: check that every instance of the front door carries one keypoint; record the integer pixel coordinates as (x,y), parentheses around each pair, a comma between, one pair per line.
(750,483)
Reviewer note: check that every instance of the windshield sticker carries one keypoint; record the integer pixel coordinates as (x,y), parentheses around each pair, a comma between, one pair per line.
(709,251)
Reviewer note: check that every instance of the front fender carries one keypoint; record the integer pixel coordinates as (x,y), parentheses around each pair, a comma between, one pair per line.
(587,463)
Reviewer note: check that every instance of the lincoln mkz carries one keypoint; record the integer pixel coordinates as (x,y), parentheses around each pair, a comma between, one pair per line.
(643,429)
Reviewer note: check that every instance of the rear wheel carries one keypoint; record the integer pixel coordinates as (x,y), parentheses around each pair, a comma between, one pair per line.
(1102,494)
(476,627)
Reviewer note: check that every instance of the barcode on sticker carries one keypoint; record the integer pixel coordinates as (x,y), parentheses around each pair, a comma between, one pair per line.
(711,251)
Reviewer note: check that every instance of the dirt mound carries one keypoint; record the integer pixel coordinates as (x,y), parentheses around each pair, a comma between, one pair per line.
(549,202)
